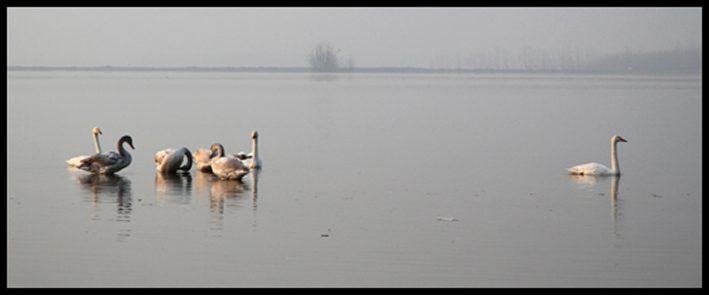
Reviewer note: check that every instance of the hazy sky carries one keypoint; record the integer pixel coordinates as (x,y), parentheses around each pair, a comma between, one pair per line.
(370,36)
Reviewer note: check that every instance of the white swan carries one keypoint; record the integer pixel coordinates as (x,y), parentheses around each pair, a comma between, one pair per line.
(227,167)
(203,158)
(598,169)
(252,159)
(169,160)
(75,161)
(111,162)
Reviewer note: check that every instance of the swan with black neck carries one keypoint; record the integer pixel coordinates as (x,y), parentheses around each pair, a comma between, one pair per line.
(111,162)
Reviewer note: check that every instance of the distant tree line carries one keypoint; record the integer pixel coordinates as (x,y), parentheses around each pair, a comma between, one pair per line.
(324,58)
(676,61)
(681,60)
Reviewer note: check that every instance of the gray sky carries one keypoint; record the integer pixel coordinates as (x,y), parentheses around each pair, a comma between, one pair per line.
(371,36)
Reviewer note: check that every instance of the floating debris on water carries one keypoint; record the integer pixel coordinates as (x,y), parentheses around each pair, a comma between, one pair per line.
(446,219)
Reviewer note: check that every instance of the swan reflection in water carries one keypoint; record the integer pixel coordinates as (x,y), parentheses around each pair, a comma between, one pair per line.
(224,190)
(109,188)
(231,194)
(173,187)
(203,181)
(227,193)
(592,182)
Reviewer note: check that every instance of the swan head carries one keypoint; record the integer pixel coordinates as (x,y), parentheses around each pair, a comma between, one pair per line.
(618,138)
(96,130)
(127,139)
(254,134)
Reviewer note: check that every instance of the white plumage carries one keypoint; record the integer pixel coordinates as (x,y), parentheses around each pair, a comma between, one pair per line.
(251,160)
(203,158)
(598,169)
(169,160)
(75,161)
(229,168)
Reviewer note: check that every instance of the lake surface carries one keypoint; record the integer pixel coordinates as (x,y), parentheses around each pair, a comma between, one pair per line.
(367,180)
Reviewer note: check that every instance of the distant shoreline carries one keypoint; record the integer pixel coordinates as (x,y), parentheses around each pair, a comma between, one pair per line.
(403,70)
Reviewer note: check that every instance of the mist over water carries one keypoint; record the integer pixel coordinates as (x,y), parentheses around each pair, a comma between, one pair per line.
(438,37)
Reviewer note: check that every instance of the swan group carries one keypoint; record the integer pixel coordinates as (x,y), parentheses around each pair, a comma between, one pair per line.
(598,169)
(228,166)
(236,166)
(214,160)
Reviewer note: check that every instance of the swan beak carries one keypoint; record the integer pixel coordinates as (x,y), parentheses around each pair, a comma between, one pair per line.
(96,130)
(254,134)
(622,139)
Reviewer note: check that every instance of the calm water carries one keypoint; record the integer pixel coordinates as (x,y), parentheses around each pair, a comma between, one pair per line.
(368,180)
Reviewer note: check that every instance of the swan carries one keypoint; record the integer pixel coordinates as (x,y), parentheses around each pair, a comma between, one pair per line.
(252,159)
(227,167)
(169,160)
(111,162)
(598,169)
(203,158)
(75,161)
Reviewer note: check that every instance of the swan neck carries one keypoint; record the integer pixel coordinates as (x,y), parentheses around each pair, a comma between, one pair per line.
(614,158)
(122,150)
(187,166)
(254,149)
(97,144)
(220,151)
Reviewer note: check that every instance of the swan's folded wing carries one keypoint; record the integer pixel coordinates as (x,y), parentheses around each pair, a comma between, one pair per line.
(241,156)
(202,158)
(102,159)
(76,161)
(229,168)
(161,156)
(588,169)
(228,164)
(202,155)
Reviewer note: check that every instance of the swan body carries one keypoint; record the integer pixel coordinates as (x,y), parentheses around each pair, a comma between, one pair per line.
(201,160)
(598,169)
(75,161)
(111,162)
(590,169)
(169,160)
(252,159)
(229,168)
(226,167)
